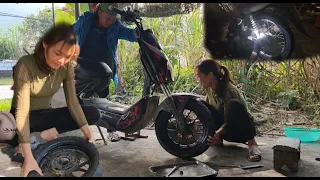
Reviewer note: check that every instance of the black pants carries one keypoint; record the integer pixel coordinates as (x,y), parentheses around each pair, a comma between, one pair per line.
(59,118)
(101,71)
(240,127)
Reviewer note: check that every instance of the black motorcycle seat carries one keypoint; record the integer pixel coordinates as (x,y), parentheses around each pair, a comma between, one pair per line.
(109,105)
(82,73)
(246,8)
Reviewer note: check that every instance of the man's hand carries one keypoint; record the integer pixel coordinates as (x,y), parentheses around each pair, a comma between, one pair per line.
(135,32)
(87,133)
(30,164)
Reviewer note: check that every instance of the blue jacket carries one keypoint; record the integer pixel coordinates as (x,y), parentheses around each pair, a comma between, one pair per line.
(115,32)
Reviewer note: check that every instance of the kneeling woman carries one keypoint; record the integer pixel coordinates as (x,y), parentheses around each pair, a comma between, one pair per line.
(232,119)
(37,77)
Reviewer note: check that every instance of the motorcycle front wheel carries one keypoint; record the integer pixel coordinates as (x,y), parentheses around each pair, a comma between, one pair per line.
(180,144)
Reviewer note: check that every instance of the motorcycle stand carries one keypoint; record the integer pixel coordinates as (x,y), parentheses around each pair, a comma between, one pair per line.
(133,136)
(102,136)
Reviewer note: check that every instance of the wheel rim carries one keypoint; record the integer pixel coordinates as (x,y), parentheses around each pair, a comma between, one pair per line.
(65,161)
(195,127)
(276,40)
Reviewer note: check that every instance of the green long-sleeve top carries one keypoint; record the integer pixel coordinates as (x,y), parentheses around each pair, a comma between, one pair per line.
(220,103)
(34,89)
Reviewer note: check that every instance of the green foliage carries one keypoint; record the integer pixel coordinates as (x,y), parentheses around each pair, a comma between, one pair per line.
(186,81)
(66,14)
(5,105)
(9,42)
(6,81)
(83,7)
(63,16)
(25,35)
(181,39)
(288,99)
(33,29)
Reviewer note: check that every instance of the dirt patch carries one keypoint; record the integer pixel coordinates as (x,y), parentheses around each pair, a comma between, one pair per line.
(276,118)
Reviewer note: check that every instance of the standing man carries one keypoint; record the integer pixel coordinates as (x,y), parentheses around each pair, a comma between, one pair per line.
(98,34)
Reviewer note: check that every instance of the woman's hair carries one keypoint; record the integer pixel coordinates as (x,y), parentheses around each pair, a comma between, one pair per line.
(208,65)
(59,32)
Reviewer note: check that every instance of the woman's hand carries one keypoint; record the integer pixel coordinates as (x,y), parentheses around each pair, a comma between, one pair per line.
(216,139)
(87,133)
(30,164)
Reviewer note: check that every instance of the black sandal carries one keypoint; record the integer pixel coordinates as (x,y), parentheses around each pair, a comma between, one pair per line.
(253,153)
(18,158)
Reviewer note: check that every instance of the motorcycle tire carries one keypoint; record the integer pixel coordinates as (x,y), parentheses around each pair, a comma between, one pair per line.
(70,142)
(171,147)
(287,33)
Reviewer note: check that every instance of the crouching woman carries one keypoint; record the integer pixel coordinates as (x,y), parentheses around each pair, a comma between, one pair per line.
(232,119)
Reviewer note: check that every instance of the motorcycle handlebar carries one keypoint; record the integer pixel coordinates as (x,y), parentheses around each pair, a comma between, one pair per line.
(128,15)
(112,8)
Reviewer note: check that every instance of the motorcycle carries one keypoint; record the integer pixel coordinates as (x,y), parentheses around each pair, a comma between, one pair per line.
(268,22)
(182,121)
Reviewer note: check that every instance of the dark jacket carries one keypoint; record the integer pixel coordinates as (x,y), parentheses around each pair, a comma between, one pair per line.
(115,32)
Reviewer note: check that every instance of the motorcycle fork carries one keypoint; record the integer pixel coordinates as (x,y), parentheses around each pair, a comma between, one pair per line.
(175,110)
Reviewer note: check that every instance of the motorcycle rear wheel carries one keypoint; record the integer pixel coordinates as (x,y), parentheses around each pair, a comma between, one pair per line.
(67,157)
(285,32)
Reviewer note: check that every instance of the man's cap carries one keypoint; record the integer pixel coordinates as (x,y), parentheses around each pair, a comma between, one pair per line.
(104,7)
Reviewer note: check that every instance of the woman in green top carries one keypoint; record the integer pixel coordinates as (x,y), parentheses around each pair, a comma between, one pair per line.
(37,77)
(232,119)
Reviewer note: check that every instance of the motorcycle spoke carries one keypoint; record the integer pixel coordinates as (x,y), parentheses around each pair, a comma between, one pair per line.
(193,133)
(268,26)
(276,35)
(187,142)
(282,45)
(172,130)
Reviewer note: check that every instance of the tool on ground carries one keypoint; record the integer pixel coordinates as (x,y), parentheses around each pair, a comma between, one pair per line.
(317,159)
(242,167)
(172,170)
(184,169)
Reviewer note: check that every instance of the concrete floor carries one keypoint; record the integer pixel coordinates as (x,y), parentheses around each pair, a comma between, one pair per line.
(133,158)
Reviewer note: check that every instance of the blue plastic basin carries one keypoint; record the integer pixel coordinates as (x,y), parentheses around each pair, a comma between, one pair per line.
(304,134)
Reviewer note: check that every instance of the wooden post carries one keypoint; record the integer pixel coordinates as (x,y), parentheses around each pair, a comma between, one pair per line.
(76,10)
(120,79)
(53,18)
